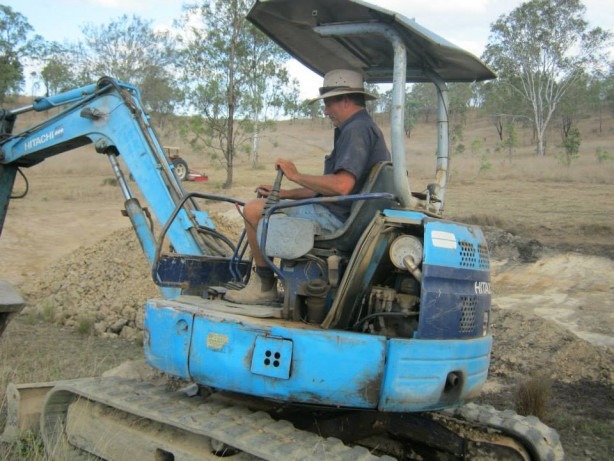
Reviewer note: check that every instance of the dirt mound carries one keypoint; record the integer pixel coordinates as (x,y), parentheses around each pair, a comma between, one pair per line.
(526,344)
(508,248)
(101,289)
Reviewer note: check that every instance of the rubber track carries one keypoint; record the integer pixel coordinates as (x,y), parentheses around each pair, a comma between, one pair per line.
(542,441)
(255,433)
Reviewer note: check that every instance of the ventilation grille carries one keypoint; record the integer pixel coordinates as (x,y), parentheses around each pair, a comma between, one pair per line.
(468,314)
(472,257)
(483,256)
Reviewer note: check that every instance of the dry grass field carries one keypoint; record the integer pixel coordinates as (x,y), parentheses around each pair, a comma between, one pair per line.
(72,205)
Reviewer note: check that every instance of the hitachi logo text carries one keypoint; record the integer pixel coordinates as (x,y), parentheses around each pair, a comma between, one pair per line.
(57,132)
(482,288)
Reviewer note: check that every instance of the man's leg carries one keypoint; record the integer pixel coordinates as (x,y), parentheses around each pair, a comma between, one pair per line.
(262,286)
(252,213)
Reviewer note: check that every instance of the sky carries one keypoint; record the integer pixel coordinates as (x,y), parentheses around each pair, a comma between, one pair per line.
(464,23)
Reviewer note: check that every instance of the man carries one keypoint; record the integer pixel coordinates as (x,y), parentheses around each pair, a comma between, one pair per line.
(358,145)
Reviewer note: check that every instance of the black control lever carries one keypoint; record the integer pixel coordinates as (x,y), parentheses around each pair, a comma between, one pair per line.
(273,197)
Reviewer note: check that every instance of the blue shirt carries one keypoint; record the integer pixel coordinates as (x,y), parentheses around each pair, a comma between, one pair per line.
(359,144)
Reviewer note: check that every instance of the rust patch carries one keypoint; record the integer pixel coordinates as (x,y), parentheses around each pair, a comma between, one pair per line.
(369,389)
(216,341)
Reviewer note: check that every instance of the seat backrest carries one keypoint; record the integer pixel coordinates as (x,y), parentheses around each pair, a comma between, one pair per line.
(380,179)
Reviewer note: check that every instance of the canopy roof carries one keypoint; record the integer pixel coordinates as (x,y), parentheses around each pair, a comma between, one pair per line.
(291,24)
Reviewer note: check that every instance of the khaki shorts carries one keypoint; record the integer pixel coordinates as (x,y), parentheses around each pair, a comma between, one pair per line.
(327,220)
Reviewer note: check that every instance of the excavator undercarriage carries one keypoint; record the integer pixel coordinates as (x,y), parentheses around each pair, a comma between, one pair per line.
(118,418)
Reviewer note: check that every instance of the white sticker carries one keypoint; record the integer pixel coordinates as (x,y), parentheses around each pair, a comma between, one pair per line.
(443,239)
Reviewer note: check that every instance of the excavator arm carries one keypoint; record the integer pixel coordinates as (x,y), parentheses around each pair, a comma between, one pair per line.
(110,116)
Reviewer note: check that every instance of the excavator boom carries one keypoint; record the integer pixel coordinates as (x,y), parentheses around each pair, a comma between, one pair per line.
(109,115)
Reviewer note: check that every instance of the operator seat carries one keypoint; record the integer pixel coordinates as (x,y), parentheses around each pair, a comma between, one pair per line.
(344,239)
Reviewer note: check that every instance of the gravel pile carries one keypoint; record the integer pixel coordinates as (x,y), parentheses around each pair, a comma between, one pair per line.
(101,289)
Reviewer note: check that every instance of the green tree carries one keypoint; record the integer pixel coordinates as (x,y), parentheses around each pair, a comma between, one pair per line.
(129,50)
(456,139)
(601,94)
(571,146)
(227,86)
(293,105)
(608,91)
(162,97)
(17,45)
(501,104)
(269,90)
(310,111)
(411,114)
(412,109)
(57,74)
(575,106)
(425,95)
(460,96)
(56,77)
(211,51)
(510,141)
(540,49)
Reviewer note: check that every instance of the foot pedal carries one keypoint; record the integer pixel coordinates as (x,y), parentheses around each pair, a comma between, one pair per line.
(233,286)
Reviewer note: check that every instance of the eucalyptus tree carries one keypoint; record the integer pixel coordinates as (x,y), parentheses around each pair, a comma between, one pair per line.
(410,109)
(310,111)
(601,94)
(425,95)
(18,43)
(58,71)
(268,91)
(130,50)
(539,50)
(411,114)
(502,105)
(574,107)
(460,101)
(232,75)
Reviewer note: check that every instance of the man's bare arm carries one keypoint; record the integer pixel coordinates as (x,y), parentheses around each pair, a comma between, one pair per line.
(340,183)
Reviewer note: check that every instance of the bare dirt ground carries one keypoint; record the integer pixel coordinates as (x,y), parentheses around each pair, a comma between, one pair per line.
(71,253)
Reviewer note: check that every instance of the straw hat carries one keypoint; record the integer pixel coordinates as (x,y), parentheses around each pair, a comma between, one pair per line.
(342,81)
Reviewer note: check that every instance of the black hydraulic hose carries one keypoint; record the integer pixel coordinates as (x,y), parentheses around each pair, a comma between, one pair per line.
(27,186)
(219,235)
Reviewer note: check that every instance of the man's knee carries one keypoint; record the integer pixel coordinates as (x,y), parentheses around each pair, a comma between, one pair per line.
(253,210)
